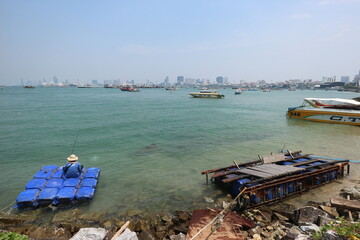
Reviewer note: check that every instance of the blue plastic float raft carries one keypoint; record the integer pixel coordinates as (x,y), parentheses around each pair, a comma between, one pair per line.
(50,186)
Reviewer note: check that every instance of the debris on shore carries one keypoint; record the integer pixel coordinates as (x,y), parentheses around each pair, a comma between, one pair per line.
(276,221)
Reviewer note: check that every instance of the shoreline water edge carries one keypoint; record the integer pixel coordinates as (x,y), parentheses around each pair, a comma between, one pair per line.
(280,220)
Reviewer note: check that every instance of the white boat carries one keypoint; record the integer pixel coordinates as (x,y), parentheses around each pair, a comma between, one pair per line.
(238,91)
(329,110)
(207,94)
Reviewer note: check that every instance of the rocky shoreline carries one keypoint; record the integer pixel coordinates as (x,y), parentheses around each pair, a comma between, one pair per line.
(276,221)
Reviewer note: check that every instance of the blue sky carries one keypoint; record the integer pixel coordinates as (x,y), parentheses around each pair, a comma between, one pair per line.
(149,40)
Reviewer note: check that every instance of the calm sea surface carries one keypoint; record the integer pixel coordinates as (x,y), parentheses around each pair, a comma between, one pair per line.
(152,145)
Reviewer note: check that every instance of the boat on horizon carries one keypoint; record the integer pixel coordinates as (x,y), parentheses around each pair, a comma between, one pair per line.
(28,87)
(129,89)
(171,88)
(238,91)
(329,110)
(84,86)
(206,93)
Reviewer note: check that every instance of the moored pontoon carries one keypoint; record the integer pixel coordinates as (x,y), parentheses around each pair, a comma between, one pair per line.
(277,176)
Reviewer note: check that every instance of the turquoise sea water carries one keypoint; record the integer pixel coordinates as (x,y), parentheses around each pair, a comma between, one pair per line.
(152,145)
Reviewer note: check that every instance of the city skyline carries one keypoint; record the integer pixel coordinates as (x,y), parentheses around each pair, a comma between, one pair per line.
(86,40)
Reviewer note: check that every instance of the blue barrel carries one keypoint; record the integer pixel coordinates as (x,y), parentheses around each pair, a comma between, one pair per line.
(269,193)
(325,177)
(332,175)
(236,185)
(254,198)
(280,190)
(290,187)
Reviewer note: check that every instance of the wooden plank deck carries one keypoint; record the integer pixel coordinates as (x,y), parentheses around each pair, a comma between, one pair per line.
(269,170)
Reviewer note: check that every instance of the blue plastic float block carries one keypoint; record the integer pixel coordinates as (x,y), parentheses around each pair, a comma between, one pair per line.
(66,194)
(89,182)
(93,169)
(92,173)
(237,184)
(287,163)
(302,166)
(71,182)
(48,194)
(43,174)
(85,193)
(49,168)
(58,174)
(301,160)
(27,197)
(36,183)
(54,183)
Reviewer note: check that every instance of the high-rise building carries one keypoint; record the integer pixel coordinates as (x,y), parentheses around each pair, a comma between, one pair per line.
(167,81)
(357,79)
(189,81)
(180,80)
(220,80)
(94,82)
(345,79)
(22,82)
(55,79)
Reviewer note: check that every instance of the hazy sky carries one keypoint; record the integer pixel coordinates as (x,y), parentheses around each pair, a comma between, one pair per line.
(139,40)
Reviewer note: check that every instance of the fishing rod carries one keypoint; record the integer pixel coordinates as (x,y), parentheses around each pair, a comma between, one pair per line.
(75,142)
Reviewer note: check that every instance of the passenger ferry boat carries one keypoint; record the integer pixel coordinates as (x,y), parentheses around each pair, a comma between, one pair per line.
(207,94)
(329,110)
(277,176)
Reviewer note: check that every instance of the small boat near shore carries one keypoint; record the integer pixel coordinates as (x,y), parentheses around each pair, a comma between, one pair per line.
(329,110)
(29,87)
(207,94)
(277,176)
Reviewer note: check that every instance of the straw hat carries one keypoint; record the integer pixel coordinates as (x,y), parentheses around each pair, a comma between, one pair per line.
(72,158)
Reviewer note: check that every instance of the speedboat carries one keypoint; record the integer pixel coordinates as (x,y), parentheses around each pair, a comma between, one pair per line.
(238,91)
(207,94)
(329,110)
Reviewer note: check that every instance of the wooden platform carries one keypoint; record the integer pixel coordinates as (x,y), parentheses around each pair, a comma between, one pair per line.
(269,170)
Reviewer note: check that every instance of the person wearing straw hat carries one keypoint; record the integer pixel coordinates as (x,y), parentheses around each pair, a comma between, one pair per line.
(72,169)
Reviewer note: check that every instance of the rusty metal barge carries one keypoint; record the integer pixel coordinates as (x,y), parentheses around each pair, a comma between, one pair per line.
(277,176)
